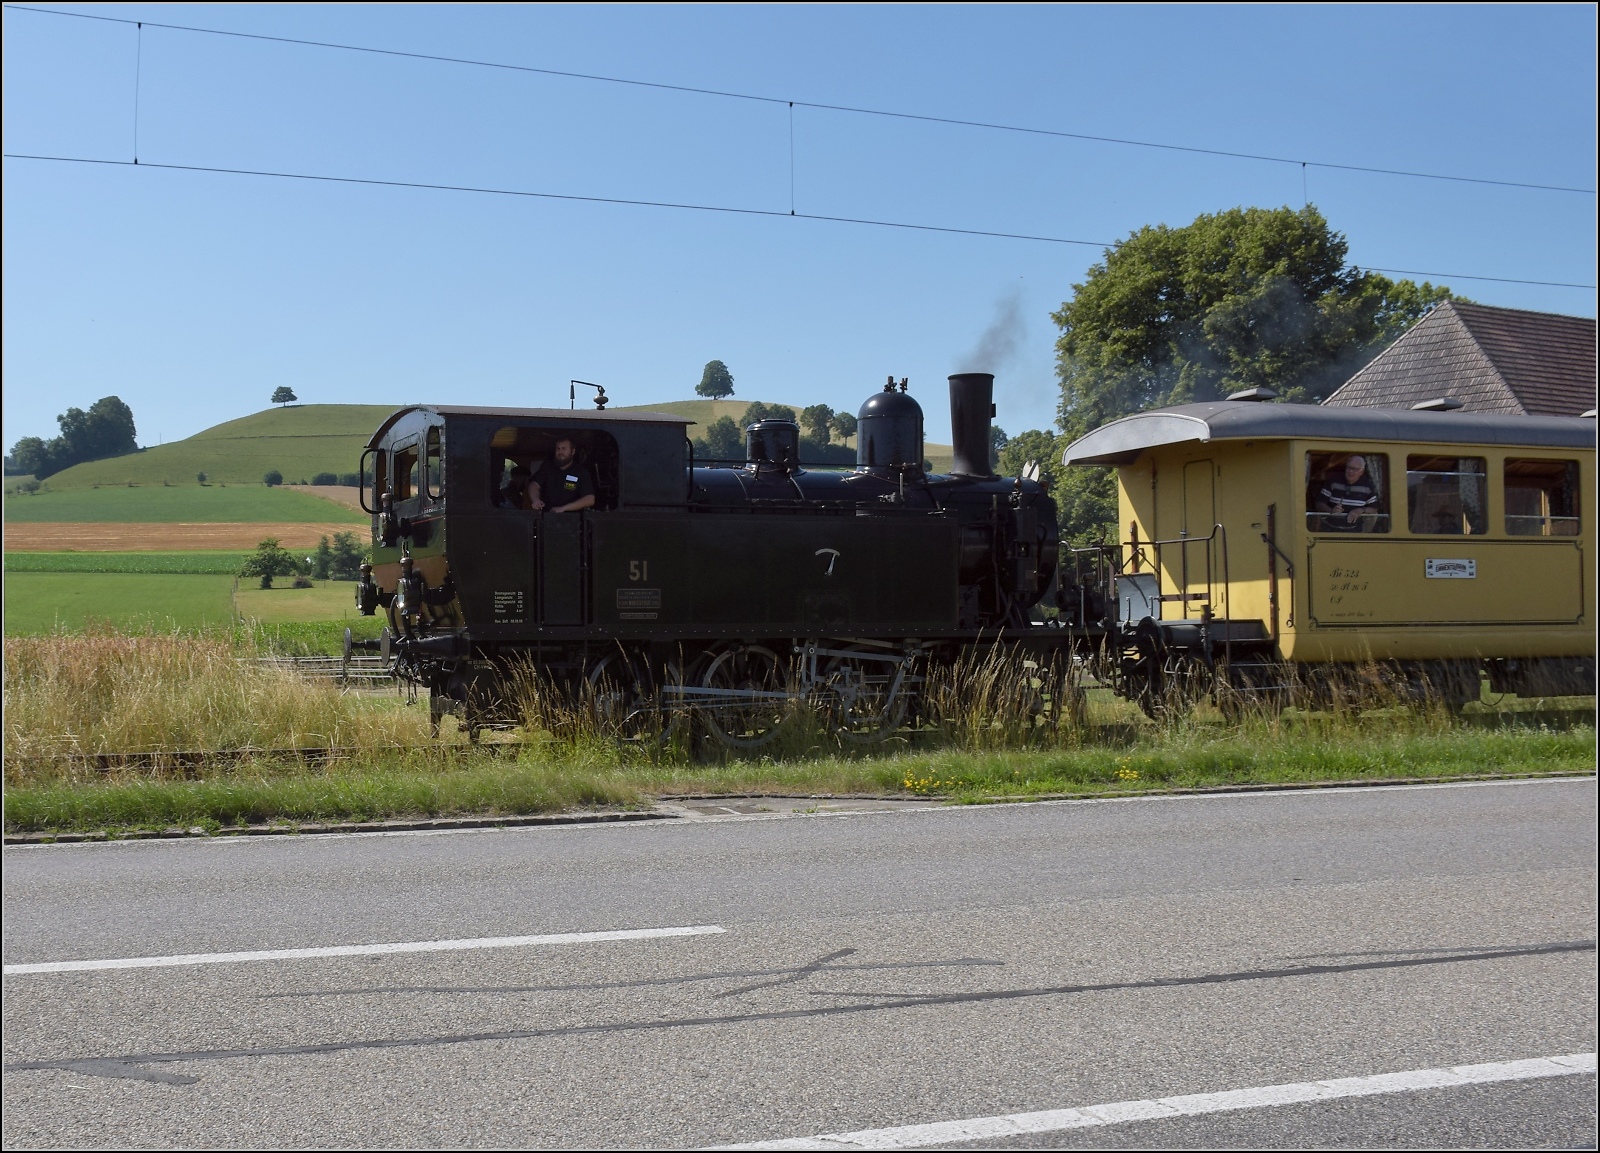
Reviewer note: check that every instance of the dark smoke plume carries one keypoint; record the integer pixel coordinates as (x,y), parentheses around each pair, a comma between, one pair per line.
(1001,340)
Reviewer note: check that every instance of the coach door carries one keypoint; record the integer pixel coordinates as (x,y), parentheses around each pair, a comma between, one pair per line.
(564,567)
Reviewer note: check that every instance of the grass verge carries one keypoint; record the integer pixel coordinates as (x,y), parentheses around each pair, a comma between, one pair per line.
(542,776)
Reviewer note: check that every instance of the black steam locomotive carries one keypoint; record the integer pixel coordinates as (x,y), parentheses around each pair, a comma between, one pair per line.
(717,589)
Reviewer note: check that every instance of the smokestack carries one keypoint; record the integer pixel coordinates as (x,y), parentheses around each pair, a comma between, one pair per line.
(971,406)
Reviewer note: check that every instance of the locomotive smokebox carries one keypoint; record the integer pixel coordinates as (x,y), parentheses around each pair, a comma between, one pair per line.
(889,432)
(971,407)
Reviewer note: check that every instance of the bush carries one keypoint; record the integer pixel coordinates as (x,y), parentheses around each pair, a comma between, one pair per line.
(269,560)
(272,479)
(201,477)
(325,478)
(28,487)
(344,563)
(301,582)
(350,479)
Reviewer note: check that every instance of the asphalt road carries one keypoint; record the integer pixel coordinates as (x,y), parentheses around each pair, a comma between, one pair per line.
(873,970)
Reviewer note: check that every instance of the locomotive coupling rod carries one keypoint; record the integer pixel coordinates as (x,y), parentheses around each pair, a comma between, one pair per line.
(697,691)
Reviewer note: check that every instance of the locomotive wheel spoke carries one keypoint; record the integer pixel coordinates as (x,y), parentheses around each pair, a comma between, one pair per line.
(746,722)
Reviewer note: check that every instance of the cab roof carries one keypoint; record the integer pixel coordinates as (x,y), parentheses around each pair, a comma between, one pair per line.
(556,417)
(1121,441)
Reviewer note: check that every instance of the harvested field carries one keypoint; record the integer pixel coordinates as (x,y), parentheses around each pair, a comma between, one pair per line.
(119,537)
(338,493)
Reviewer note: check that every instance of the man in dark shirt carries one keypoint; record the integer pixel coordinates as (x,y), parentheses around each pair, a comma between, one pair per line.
(1346,496)
(562,484)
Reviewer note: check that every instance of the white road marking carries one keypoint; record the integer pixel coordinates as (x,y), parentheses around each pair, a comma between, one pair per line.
(1192,1105)
(361,950)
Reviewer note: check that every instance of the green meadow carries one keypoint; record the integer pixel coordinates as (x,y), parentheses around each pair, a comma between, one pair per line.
(187,503)
(189,563)
(46,602)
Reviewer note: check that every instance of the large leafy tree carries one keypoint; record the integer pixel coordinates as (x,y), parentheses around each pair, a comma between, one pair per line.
(716,381)
(1239,299)
(1243,298)
(106,429)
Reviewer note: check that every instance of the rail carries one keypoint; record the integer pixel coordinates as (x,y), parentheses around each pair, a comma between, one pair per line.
(358,672)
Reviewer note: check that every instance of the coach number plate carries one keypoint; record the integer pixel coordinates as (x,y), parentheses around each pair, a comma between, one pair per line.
(1452,569)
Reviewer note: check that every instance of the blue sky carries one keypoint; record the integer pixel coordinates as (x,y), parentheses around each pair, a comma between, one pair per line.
(192,296)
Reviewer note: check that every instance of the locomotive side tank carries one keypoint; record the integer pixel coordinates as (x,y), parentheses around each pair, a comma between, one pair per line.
(1464,544)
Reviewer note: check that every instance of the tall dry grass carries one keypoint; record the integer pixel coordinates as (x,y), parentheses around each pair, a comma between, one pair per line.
(117,693)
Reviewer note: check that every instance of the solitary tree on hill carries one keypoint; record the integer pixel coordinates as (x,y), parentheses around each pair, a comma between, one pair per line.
(284,395)
(716,381)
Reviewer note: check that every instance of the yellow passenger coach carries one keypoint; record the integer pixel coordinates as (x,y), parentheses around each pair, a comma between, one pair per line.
(1268,543)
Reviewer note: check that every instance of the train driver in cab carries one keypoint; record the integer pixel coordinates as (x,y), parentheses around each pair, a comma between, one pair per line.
(562,484)
(1347,496)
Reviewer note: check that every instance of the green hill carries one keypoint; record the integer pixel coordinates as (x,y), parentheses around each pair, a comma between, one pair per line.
(299,441)
(303,440)
(180,504)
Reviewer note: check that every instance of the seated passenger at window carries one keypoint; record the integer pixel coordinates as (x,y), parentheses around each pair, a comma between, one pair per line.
(1348,495)
(514,493)
(562,484)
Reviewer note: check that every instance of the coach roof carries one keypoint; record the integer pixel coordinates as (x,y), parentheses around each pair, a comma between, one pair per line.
(1121,441)
(557,417)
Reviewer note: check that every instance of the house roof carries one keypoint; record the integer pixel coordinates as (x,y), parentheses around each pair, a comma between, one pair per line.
(1121,441)
(1491,359)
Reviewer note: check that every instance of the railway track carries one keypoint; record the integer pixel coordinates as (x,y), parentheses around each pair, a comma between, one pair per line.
(359,672)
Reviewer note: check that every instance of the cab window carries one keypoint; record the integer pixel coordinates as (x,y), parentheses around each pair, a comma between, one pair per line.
(1541,497)
(1347,492)
(405,472)
(1445,495)
(434,471)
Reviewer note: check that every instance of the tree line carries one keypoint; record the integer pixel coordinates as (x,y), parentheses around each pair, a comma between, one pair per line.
(105,430)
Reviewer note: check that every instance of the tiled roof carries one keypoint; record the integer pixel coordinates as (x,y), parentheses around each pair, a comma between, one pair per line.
(1490,359)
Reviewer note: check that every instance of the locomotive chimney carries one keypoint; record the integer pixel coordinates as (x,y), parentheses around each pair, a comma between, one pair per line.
(971,406)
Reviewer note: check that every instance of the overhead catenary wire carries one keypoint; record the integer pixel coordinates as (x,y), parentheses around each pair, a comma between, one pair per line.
(681,205)
(817,105)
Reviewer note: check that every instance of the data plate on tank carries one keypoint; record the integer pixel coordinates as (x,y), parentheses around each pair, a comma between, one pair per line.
(1450,569)
(638,604)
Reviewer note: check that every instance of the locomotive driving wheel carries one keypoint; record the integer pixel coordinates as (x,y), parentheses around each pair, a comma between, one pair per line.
(621,695)
(870,690)
(747,698)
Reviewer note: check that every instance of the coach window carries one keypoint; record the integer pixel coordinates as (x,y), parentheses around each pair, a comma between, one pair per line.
(434,471)
(1541,497)
(405,473)
(1445,495)
(1339,484)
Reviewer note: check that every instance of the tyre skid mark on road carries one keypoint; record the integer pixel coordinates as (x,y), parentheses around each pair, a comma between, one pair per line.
(92,1065)
(648,982)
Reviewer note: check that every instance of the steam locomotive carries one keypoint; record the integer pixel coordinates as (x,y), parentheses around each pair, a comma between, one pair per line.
(719,589)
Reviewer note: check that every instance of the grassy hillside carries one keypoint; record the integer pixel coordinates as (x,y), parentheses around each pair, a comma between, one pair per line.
(299,441)
(303,440)
(180,504)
